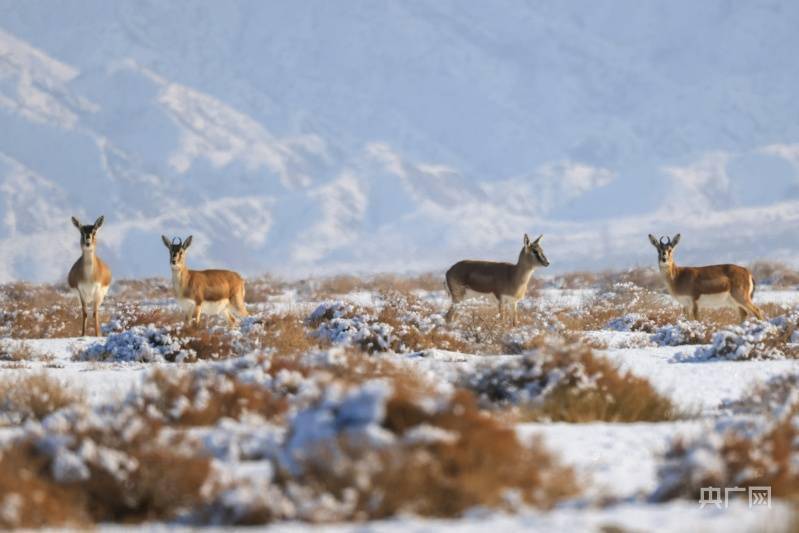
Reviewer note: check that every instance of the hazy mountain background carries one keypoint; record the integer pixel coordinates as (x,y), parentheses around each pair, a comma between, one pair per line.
(314,137)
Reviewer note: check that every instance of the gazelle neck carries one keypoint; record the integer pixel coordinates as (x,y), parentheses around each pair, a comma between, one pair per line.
(180,278)
(524,268)
(88,259)
(669,270)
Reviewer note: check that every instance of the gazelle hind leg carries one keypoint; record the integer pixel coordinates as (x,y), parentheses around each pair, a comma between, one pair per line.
(743,301)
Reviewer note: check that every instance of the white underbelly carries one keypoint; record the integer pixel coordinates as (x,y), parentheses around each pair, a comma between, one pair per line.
(206,308)
(709,301)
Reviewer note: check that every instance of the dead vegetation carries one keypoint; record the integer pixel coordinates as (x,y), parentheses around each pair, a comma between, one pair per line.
(567,382)
(37,311)
(116,476)
(480,462)
(202,397)
(33,397)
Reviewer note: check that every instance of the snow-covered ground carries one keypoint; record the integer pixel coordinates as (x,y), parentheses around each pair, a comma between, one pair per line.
(616,463)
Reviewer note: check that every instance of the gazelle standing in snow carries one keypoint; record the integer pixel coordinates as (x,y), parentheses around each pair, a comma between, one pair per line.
(708,286)
(506,281)
(212,292)
(90,276)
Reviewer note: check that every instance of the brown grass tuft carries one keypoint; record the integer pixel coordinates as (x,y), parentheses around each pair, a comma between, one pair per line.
(33,397)
(30,499)
(566,382)
(197,398)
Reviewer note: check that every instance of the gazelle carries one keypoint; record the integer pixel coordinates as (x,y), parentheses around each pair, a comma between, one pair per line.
(708,286)
(212,292)
(506,281)
(89,276)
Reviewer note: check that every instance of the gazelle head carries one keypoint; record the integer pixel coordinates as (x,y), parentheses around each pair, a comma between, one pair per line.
(665,247)
(88,234)
(533,253)
(177,251)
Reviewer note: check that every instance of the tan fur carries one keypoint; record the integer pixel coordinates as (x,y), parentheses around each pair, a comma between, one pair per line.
(222,290)
(90,277)
(506,281)
(722,285)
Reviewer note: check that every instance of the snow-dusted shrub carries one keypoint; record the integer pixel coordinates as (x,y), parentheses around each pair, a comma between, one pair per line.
(107,463)
(682,332)
(372,452)
(402,325)
(763,452)
(754,339)
(632,322)
(567,381)
(33,396)
(622,306)
(146,344)
(772,398)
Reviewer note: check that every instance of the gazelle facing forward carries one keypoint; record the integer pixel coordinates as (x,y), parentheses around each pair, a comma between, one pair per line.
(708,286)
(213,292)
(506,281)
(89,276)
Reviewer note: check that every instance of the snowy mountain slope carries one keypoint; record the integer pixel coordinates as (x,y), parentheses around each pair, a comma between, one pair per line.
(316,137)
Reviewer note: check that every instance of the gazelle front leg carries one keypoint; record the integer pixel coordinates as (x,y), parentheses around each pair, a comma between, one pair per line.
(695,310)
(85,315)
(96,312)
(515,303)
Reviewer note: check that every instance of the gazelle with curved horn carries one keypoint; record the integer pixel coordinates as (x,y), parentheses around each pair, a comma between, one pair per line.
(506,281)
(212,292)
(89,276)
(712,286)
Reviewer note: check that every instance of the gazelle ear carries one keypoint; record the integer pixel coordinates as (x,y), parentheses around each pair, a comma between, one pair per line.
(654,241)
(98,222)
(526,240)
(187,242)
(76,222)
(538,239)
(166,242)
(675,240)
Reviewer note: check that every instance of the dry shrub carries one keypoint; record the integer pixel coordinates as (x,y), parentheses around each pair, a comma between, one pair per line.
(413,335)
(17,351)
(209,344)
(29,498)
(126,290)
(286,335)
(576,280)
(478,468)
(774,274)
(123,473)
(765,460)
(201,398)
(759,447)
(127,315)
(260,289)
(649,309)
(38,311)
(343,284)
(751,340)
(404,324)
(567,382)
(472,460)
(33,397)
